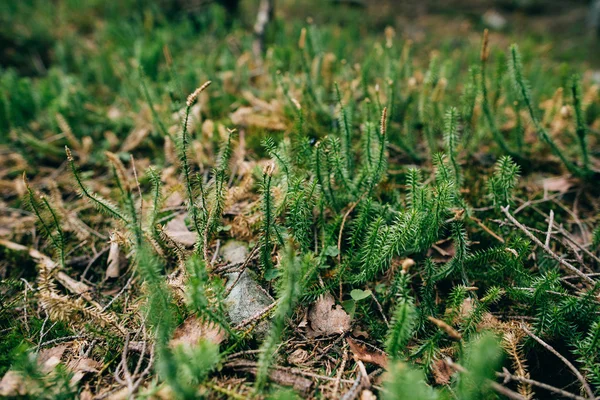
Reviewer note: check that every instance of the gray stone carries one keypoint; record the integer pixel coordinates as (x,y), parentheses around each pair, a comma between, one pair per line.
(494,20)
(234,252)
(246,299)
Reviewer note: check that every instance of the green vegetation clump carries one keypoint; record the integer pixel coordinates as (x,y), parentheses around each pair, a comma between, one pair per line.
(422,224)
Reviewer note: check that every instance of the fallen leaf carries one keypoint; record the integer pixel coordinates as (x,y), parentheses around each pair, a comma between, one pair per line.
(193,330)
(134,139)
(247,116)
(83,366)
(326,318)
(50,358)
(441,372)
(363,353)
(560,184)
(12,384)
(177,230)
(175,199)
(298,357)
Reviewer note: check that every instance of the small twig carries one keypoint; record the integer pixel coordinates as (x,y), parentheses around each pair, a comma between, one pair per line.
(551,349)
(341,369)
(365,375)
(488,230)
(62,339)
(546,248)
(137,182)
(93,260)
(494,385)
(216,254)
(241,271)
(380,309)
(256,316)
(353,392)
(123,289)
(253,364)
(510,377)
(549,233)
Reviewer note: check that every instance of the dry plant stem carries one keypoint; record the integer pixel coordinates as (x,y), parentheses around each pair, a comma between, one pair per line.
(241,270)
(137,183)
(510,377)
(380,309)
(341,369)
(530,235)
(551,349)
(125,287)
(229,393)
(257,316)
(265,14)
(571,239)
(549,233)
(494,385)
(560,229)
(73,286)
(253,364)
(62,339)
(488,230)
(93,260)
(353,392)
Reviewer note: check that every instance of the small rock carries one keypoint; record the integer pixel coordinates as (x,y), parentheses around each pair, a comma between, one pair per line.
(234,252)
(246,299)
(494,20)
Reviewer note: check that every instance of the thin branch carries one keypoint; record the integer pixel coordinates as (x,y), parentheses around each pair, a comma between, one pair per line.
(560,260)
(551,349)
(494,385)
(549,233)
(510,377)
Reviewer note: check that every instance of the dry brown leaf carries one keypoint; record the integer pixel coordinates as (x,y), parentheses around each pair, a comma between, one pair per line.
(175,199)
(83,366)
(177,230)
(365,354)
(12,384)
(247,116)
(74,286)
(135,138)
(560,184)
(326,318)
(441,372)
(298,357)
(193,329)
(50,358)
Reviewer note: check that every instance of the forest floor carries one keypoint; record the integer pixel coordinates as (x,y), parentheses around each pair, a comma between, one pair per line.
(363,204)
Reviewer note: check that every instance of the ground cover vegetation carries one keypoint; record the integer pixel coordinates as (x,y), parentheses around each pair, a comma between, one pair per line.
(406,223)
